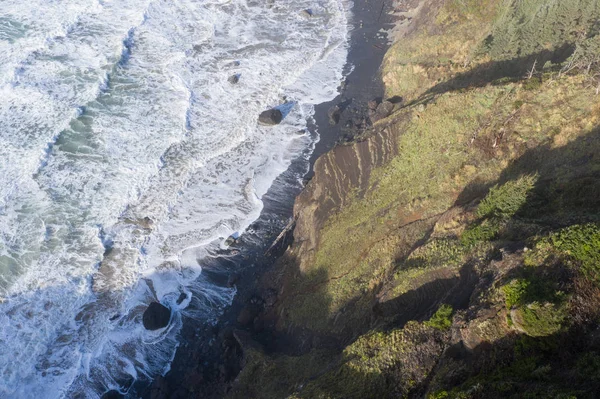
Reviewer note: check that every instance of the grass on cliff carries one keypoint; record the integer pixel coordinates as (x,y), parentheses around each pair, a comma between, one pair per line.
(377,364)
(472,42)
(535,303)
(449,146)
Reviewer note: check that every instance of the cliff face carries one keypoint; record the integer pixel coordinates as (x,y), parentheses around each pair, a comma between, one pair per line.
(340,175)
(454,252)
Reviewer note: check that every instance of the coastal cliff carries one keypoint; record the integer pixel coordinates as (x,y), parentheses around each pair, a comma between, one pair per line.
(453,251)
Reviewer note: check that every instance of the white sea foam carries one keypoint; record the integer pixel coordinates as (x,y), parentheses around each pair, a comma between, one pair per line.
(125,155)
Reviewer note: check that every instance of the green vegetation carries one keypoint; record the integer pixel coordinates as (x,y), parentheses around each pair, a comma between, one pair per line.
(539,320)
(530,26)
(501,204)
(536,307)
(588,366)
(377,365)
(515,292)
(581,243)
(533,83)
(486,230)
(442,319)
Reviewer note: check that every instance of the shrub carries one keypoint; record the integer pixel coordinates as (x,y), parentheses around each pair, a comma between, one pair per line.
(506,200)
(487,230)
(442,319)
(533,83)
(540,320)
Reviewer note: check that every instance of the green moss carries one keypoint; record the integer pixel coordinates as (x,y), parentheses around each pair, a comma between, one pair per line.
(442,319)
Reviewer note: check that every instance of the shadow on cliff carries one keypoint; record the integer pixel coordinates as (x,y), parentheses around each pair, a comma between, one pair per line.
(567,182)
(422,302)
(289,324)
(564,364)
(500,72)
(566,191)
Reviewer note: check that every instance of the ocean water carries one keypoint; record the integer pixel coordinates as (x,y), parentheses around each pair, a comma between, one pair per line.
(126,158)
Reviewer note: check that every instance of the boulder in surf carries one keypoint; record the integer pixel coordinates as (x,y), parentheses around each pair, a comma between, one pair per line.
(233,79)
(156,316)
(307,13)
(271,117)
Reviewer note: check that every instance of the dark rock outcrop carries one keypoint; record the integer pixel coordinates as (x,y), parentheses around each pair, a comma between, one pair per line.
(182,297)
(247,314)
(334,114)
(383,110)
(156,316)
(271,117)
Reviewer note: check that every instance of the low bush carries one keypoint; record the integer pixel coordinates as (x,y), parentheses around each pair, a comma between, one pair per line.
(442,319)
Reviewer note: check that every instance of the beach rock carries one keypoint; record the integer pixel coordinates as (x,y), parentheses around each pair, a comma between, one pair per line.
(232,239)
(396,99)
(383,110)
(307,13)
(372,105)
(233,64)
(270,117)
(182,297)
(156,316)
(344,85)
(233,79)
(334,115)
(144,223)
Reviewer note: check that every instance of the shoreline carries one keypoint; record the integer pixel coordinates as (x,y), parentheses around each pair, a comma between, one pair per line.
(209,357)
